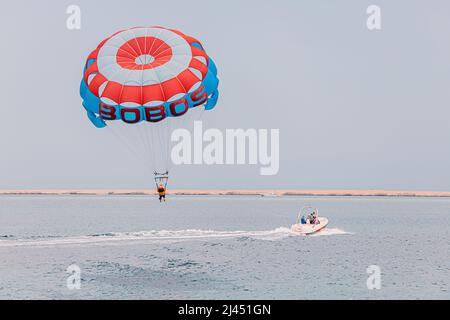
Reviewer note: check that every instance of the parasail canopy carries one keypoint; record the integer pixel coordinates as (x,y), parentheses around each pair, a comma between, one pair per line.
(147,74)
(139,80)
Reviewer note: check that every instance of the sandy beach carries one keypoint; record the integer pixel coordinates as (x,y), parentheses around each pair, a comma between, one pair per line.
(229,192)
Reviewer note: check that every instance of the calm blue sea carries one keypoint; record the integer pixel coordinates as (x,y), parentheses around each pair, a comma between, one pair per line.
(237,247)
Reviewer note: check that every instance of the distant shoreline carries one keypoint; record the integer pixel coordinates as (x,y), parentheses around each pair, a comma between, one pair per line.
(225,192)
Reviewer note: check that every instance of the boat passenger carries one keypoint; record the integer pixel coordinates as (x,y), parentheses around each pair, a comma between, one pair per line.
(315,218)
(303,220)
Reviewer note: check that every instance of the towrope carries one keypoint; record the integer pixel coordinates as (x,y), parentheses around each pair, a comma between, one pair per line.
(236,146)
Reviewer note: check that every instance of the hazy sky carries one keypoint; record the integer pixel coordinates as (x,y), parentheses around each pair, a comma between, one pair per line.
(355,108)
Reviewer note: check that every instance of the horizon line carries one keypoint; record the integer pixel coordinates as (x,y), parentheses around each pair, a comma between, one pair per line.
(225,191)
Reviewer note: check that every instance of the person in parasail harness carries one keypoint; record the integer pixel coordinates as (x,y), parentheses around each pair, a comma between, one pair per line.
(162,192)
(161,184)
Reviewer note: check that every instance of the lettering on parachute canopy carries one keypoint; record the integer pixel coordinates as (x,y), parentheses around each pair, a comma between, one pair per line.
(154,113)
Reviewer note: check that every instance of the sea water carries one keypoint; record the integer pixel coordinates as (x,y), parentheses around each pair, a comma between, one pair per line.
(227,247)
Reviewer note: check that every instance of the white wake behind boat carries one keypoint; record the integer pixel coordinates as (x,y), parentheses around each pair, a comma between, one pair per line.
(309,228)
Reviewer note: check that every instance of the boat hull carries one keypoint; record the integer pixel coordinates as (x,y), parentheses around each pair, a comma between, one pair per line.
(310,228)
